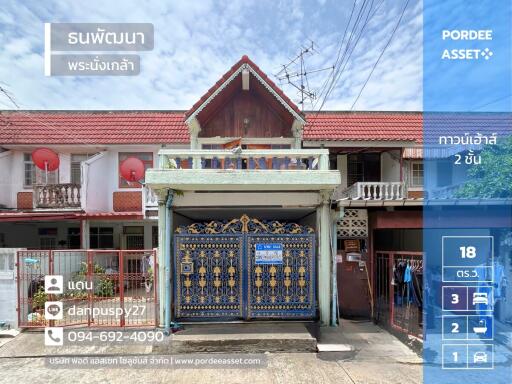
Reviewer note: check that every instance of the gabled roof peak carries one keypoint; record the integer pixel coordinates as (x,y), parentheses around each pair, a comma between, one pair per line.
(244,63)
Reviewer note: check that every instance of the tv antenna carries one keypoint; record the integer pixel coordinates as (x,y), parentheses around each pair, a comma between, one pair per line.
(296,74)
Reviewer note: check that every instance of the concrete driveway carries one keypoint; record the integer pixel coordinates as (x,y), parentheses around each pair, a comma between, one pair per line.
(378,357)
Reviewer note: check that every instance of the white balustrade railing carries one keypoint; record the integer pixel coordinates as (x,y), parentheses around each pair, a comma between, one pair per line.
(379,190)
(57,196)
(150,198)
(277,159)
(447,192)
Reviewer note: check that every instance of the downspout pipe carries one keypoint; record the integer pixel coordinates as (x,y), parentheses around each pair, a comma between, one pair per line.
(167,260)
(334,278)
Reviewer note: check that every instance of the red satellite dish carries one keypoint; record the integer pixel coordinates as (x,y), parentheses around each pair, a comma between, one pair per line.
(45,159)
(132,169)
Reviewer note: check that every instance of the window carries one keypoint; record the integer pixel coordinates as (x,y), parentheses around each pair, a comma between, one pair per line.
(47,238)
(47,242)
(363,167)
(7,261)
(101,237)
(76,161)
(154,237)
(134,237)
(33,175)
(74,238)
(29,171)
(417,174)
(147,159)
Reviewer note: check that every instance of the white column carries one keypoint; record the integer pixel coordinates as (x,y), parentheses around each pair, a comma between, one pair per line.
(161,250)
(324,258)
(85,241)
(297,128)
(194,128)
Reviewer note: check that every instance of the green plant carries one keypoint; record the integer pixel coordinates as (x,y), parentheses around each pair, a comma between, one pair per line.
(491,178)
(104,288)
(150,276)
(39,298)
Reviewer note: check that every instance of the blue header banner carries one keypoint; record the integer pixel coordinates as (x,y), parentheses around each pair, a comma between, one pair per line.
(467,103)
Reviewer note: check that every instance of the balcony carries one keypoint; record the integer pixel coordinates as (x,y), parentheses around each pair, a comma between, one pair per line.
(57,196)
(447,192)
(380,190)
(244,170)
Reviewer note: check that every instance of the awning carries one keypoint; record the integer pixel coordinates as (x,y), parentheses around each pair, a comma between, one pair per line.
(62,216)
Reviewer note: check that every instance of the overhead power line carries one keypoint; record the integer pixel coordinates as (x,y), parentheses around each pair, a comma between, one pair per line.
(381,54)
(364,15)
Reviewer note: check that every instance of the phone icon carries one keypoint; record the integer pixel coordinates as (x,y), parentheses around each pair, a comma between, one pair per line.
(53,336)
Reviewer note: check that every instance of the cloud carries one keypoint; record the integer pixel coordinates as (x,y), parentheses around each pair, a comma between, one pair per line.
(197,41)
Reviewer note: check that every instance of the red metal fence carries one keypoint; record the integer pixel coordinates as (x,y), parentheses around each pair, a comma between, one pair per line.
(399,303)
(101,288)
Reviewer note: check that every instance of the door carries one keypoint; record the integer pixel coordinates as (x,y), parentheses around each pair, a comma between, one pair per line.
(244,269)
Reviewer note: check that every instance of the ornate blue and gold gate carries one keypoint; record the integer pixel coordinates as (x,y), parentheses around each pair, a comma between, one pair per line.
(245,269)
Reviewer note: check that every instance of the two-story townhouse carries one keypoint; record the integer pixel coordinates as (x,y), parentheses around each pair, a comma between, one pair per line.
(249,197)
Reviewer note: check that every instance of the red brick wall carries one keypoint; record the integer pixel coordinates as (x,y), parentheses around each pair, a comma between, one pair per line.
(127,201)
(415,194)
(24,200)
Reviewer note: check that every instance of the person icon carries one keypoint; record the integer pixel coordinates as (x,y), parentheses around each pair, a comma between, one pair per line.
(53,287)
(53,284)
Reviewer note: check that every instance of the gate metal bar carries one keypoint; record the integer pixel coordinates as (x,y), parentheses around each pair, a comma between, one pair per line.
(405,319)
(295,293)
(123,294)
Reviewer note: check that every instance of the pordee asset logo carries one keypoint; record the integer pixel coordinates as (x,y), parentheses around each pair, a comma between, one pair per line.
(467,53)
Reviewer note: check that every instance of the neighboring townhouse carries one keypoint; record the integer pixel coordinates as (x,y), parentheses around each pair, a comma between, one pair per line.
(85,203)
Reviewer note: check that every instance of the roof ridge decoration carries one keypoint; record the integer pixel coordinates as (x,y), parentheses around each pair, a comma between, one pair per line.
(245,63)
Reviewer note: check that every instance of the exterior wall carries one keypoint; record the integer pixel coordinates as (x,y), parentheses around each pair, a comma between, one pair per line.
(16,183)
(100,177)
(95,189)
(5,182)
(8,290)
(219,199)
(341,162)
(244,112)
(390,166)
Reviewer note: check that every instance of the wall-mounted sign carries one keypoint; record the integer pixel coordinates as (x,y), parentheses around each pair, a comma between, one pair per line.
(268,253)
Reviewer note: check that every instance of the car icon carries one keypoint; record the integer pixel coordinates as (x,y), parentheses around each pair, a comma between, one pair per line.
(480,357)
(480,298)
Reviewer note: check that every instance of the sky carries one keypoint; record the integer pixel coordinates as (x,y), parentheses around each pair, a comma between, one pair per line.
(196,42)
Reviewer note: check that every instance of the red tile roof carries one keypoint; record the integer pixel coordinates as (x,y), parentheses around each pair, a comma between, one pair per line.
(359,126)
(244,60)
(160,127)
(71,127)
